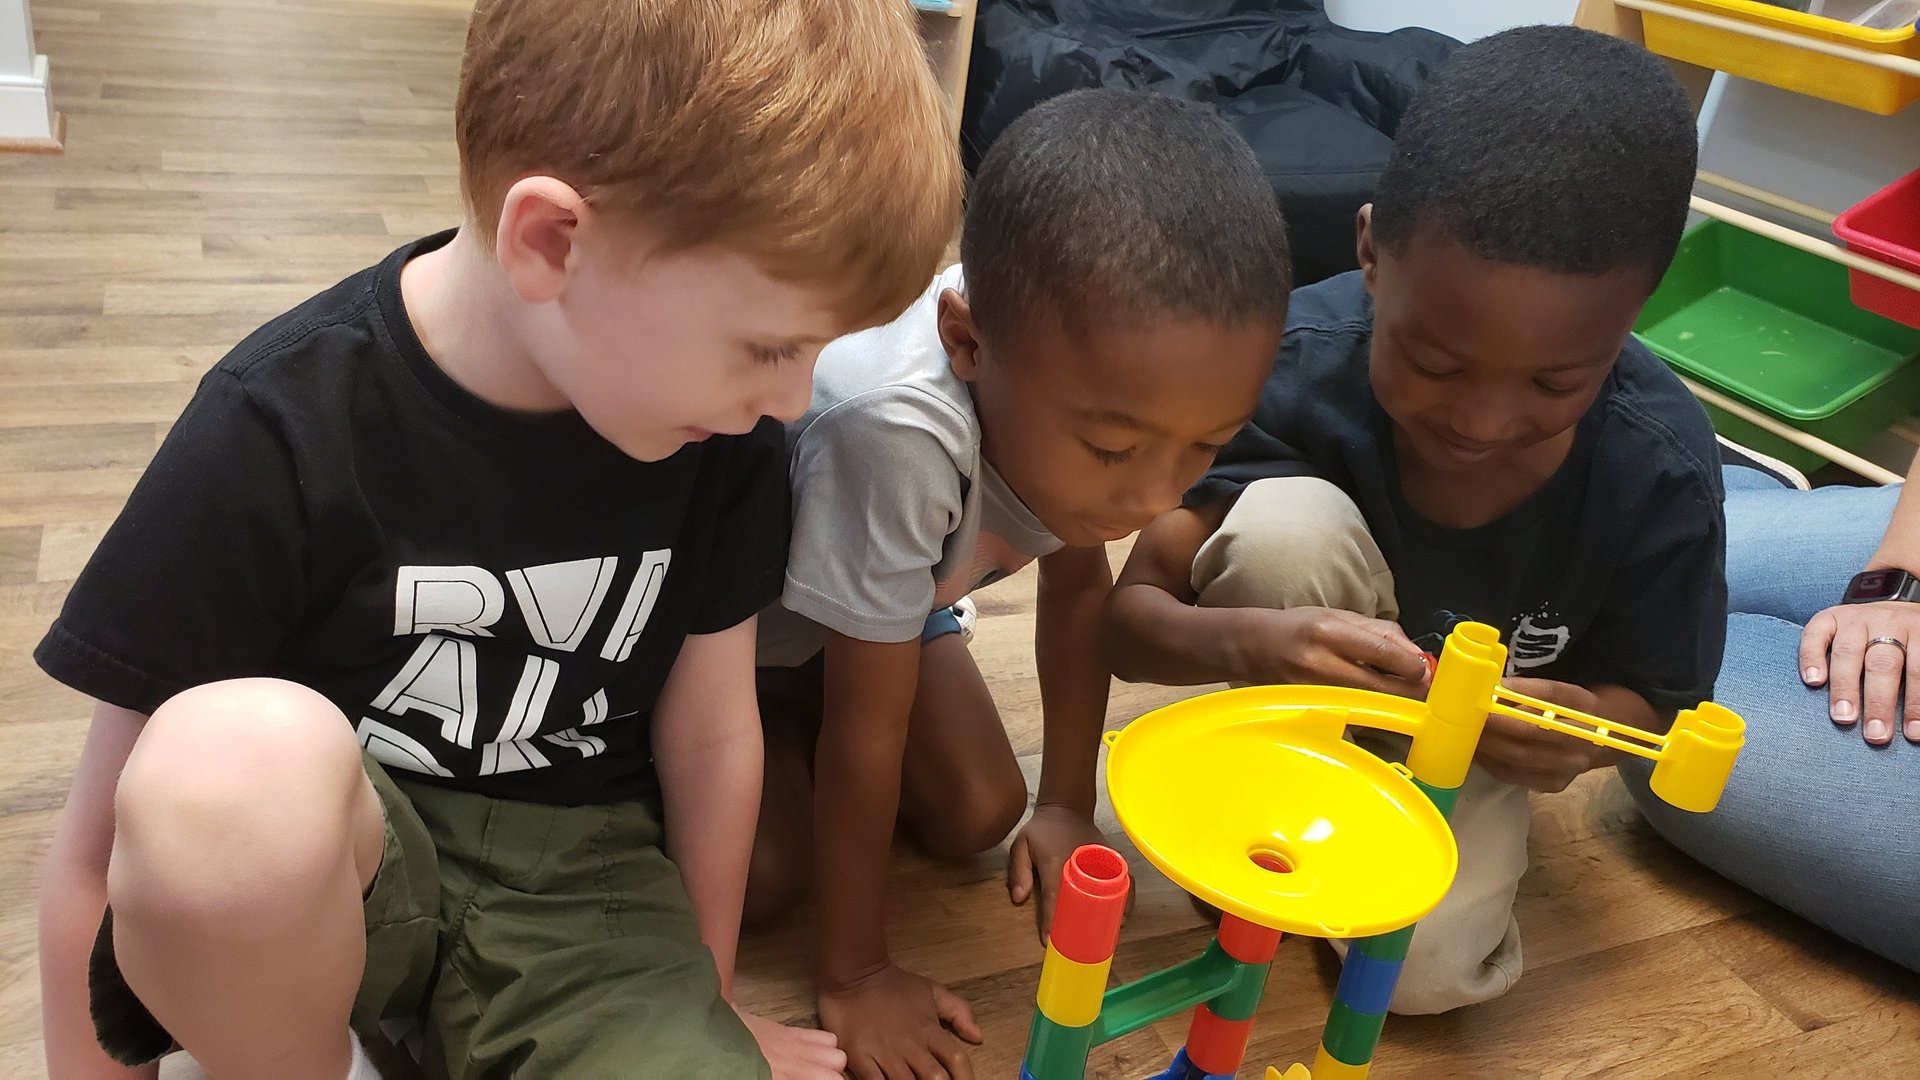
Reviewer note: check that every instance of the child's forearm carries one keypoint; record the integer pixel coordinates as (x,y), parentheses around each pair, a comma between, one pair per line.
(712,796)
(1148,635)
(1074,584)
(1153,632)
(707,746)
(73,897)
(863,734)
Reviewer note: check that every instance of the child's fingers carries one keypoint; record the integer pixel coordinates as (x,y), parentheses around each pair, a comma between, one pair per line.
(1043,914)
(1382,646)
(826,1064)
(953,1059)
(1020,870)
(957,1013)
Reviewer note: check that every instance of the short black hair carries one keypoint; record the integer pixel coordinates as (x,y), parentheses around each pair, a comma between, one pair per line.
(1545,146)
(1103,206)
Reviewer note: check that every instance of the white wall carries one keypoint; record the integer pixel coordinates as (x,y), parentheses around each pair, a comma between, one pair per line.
(1463,19)
(1815,151)
(26,110)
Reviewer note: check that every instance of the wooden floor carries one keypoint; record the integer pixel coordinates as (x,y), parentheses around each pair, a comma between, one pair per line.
(228,158)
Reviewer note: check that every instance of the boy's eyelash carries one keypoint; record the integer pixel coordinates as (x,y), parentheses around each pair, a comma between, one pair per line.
(1555,391)
(768,354)
(1107,457)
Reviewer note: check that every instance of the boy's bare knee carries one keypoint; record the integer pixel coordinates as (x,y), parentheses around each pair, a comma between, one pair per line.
(235,789)
(978,814)
(777,882)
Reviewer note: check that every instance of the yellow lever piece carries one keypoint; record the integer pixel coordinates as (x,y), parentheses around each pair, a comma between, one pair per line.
(1692,761)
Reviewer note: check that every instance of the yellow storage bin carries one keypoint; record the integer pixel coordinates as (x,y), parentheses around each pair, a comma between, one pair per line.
(1849,82)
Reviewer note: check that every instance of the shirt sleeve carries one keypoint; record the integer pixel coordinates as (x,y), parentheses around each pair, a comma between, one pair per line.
(1664,631)
(204,572)
(877,490)
(750,538)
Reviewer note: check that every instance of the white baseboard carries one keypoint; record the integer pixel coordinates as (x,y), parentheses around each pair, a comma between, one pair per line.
(27,119)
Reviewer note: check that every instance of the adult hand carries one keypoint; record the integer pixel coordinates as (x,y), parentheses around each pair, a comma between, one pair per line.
(1842,649)
(1341,648)
(1533,757)
(895,1025)
(1039,853)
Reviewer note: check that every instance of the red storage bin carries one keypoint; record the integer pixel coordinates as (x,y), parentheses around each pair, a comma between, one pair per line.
(1886,226)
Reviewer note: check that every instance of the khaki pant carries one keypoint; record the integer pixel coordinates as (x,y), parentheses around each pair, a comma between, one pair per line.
(1301,542)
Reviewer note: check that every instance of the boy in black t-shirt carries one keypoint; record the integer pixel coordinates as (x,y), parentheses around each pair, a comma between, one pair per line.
(428,636)
(1463,429)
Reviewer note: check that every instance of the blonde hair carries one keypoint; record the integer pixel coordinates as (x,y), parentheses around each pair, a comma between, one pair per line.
(806,134)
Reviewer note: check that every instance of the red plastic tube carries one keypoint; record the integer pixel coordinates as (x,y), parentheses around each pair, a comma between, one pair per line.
(1093,897)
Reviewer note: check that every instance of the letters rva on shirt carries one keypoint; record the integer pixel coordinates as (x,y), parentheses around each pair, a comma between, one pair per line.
(447,607)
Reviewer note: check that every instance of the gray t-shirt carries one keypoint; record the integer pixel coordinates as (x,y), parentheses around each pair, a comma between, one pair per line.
(896,514)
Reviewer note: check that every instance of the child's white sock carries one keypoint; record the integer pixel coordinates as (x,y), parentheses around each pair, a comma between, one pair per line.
(362,1065)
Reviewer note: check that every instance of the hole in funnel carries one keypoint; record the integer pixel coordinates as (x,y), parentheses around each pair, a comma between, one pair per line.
(1270,860)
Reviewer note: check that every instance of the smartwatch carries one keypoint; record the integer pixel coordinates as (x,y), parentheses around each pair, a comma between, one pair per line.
(1872,586)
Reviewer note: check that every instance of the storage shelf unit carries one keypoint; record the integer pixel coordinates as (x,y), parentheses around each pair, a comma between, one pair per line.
(1893,66)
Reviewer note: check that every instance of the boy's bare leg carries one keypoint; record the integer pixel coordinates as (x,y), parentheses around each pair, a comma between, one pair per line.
(246,835)
(961,790)
(780,874)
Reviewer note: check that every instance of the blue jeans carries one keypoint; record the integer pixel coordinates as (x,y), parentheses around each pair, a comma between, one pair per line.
(1814,819)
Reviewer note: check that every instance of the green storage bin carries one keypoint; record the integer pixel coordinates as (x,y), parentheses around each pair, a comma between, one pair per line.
(1773,326)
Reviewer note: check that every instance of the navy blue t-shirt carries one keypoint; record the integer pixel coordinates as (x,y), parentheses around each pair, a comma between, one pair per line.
(1613,572)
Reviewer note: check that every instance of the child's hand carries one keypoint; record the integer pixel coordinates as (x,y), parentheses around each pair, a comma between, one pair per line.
(796,1053)
(1339,648)
(1040,851)
(1535,758)
(895,1025)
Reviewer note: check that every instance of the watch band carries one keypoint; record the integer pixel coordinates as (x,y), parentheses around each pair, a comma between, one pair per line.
(1906,589)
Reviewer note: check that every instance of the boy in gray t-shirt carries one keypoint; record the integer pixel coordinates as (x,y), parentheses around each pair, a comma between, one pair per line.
(1126,289)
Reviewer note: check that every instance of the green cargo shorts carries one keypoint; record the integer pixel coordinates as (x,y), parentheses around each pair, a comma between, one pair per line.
(526,940)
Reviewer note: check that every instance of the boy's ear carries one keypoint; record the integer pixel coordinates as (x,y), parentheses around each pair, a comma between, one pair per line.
(534,241)
(1363,249)
(958,335)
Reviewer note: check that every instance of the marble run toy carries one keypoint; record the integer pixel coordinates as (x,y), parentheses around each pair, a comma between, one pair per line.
(1253,801)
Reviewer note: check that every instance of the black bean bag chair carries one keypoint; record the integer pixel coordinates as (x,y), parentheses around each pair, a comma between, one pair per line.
(1318,102)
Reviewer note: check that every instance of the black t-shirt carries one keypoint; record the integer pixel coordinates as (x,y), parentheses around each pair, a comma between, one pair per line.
(492,598)
(1612,572)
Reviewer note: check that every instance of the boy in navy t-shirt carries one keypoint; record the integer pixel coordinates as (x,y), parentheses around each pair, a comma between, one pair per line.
(1464,429)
